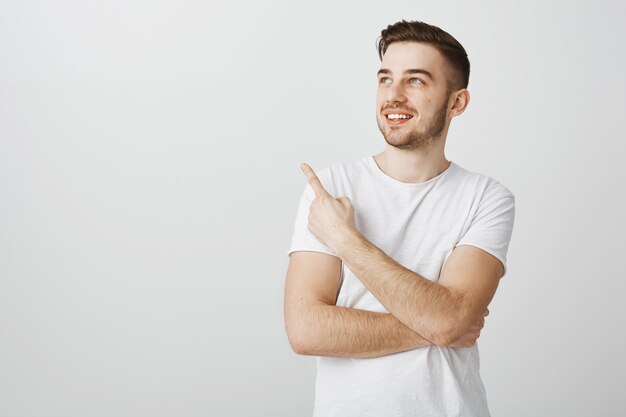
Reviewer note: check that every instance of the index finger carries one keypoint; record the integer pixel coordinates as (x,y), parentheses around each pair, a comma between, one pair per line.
(314,182)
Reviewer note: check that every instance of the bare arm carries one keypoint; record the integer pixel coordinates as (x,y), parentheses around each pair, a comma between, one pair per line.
(440,311)
(316,326)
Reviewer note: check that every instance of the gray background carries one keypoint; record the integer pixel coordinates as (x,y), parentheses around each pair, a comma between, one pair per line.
(149,181)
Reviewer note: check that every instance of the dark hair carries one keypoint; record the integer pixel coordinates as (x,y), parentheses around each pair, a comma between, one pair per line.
(450,48)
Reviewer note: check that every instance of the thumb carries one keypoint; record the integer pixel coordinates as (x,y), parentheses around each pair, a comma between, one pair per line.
(345,201)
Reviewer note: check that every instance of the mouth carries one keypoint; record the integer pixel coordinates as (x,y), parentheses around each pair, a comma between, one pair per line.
(397,118)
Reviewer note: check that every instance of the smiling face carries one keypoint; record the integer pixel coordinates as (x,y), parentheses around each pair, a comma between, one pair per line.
(412,97)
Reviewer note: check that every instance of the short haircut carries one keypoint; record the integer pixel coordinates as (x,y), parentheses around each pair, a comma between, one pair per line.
(416,31)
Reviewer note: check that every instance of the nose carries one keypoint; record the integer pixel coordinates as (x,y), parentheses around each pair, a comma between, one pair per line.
(396,93)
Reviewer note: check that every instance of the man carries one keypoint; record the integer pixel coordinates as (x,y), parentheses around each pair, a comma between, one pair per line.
(395,257)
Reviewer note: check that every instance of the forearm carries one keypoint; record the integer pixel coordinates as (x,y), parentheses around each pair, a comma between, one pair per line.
(348,332)
(424,306)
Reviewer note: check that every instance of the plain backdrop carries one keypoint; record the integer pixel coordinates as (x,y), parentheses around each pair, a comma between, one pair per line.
(149,180)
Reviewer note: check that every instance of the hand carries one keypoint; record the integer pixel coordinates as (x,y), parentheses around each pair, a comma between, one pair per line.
(472,334)
(330,219)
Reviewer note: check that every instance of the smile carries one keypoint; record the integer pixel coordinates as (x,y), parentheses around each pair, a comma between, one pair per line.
(394,116)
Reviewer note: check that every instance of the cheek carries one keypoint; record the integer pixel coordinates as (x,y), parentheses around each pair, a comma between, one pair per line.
(379,106)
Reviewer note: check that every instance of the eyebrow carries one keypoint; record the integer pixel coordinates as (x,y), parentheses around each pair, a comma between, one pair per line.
(409,71)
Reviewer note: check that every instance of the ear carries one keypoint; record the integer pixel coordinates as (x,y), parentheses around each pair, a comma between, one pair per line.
(458,102)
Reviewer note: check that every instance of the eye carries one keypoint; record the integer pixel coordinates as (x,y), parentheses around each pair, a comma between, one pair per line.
(384,80)
(416,81)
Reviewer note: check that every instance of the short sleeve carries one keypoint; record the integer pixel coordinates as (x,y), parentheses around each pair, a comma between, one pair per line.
(303,239)
(492,226)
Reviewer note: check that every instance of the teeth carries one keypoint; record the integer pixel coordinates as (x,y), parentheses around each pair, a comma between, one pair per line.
(398,116)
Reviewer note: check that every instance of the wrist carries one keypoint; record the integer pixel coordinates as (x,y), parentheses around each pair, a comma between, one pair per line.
(345,239)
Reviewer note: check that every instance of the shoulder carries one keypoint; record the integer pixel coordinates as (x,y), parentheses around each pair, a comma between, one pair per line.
(486,186)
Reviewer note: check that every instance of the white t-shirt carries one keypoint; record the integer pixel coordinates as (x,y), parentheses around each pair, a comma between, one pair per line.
(418,225)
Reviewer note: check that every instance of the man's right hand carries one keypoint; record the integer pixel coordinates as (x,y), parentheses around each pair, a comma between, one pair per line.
(472,334)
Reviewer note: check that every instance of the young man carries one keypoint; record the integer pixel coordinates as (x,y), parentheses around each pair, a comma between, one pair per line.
(395,257)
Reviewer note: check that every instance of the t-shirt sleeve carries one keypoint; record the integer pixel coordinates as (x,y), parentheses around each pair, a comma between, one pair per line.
(492,225)
(303,239)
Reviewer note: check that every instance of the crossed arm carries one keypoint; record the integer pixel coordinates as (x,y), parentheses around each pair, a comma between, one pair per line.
(447,313)
(316,326)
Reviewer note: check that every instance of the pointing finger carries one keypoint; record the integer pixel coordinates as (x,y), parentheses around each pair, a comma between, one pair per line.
(314,182)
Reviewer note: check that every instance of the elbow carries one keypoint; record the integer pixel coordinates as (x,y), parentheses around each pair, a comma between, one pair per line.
(443,339)
(304,336)
(303,347)
(453,334)
(453,325)
(448,333)
(299,346)
(299,340)
(437,331)
(439,337)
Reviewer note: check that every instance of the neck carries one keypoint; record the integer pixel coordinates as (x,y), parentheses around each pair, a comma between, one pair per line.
(413,166)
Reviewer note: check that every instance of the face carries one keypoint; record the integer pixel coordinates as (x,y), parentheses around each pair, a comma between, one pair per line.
(412,101)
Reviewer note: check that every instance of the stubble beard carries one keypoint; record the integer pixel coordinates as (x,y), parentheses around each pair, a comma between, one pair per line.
(416,139)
